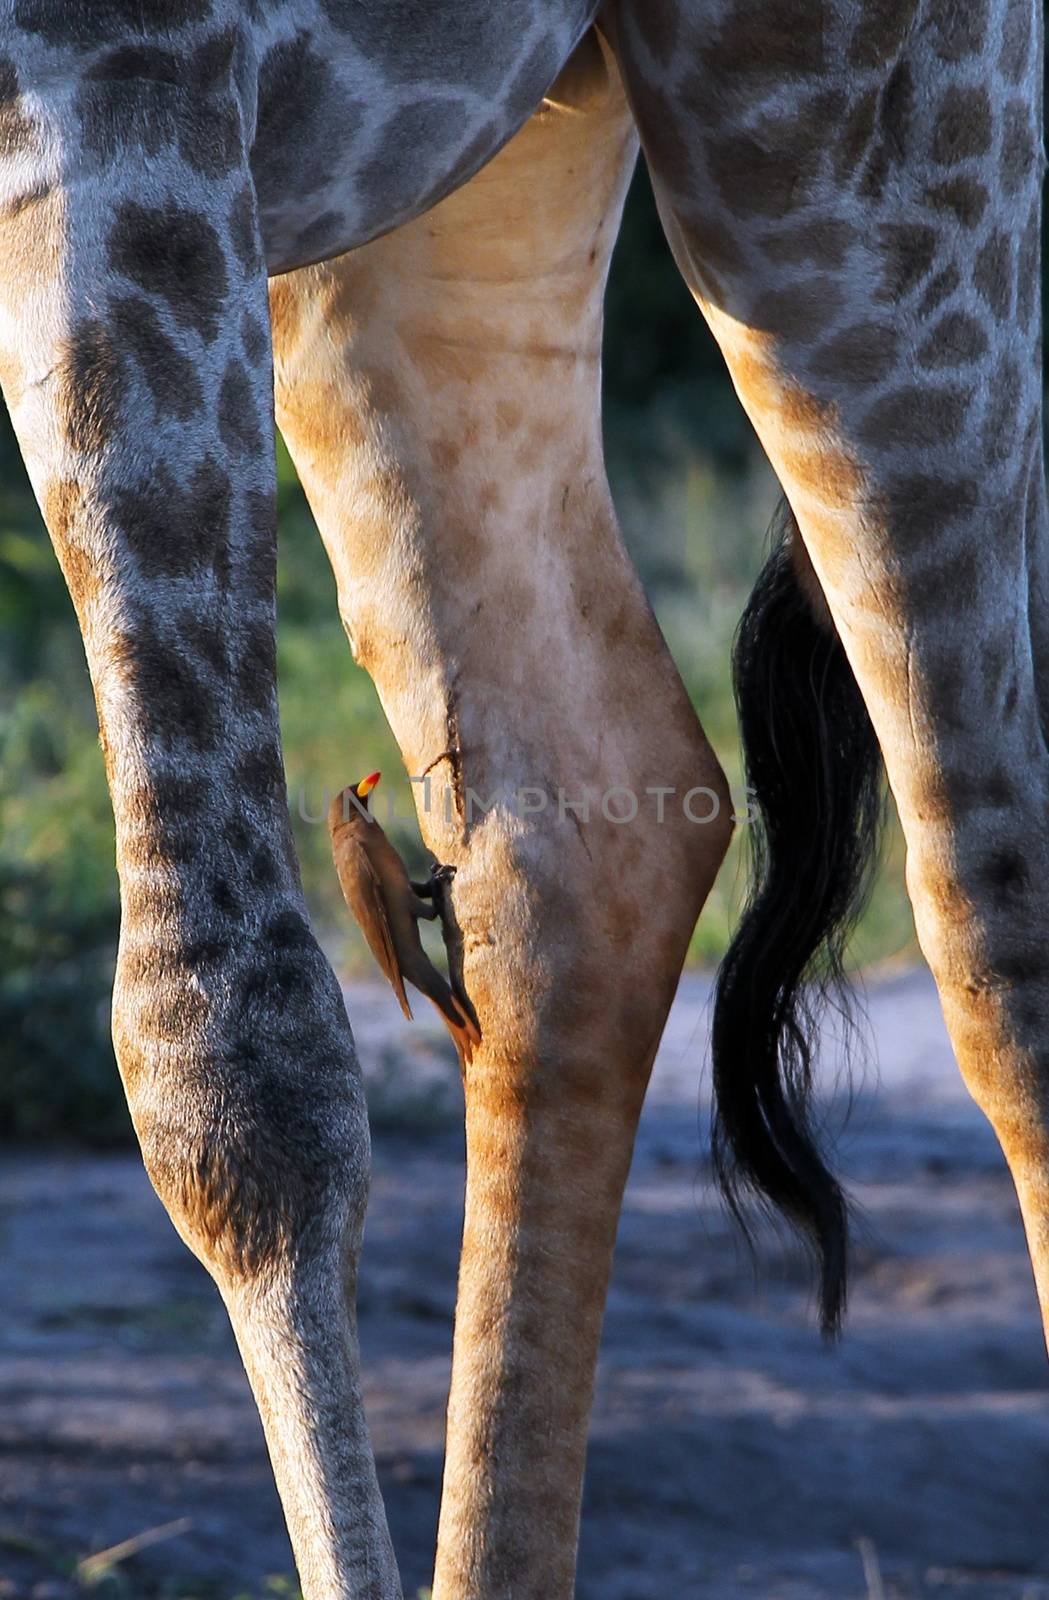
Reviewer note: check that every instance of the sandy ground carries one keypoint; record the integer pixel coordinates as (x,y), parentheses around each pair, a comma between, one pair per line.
(731,1456)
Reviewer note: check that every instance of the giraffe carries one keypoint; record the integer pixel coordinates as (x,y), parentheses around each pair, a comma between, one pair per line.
(852,193)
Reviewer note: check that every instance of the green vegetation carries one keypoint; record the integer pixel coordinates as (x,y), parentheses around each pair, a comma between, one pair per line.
(695,499)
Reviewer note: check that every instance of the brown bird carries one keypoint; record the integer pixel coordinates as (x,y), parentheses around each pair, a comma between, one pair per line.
(388,905)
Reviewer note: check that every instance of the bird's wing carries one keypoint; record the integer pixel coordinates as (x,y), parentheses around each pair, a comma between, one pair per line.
(362,891)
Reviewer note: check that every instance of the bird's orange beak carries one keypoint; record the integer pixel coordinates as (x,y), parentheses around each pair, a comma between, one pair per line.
(366,785)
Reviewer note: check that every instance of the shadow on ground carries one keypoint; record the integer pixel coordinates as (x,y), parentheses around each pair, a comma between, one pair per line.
(732,1456)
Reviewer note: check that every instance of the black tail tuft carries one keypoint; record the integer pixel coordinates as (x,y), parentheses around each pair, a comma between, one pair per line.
(814,775)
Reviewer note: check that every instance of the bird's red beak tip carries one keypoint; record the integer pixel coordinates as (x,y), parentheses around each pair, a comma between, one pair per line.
(367,784)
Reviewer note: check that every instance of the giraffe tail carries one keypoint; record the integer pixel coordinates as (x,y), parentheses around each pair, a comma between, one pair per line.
(814,775)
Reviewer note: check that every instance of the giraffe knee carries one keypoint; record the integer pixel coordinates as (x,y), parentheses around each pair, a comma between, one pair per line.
(249,1110)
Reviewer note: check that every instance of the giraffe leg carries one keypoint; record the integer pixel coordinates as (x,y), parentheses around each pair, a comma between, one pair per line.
(854,197)
(440,393)
(135,361)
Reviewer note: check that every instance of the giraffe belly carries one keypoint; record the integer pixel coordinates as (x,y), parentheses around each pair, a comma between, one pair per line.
(368,115)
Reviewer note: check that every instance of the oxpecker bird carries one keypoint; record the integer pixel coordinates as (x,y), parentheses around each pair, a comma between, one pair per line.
(388,905)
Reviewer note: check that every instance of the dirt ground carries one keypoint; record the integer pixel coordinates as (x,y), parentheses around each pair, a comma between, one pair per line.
(731,1456)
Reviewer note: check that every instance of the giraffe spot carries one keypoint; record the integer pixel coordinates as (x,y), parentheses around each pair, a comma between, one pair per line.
(315,242)
(1019,967)
(305,122)
(209,137)
(239,837)
(176,532)
(660,25)
(277,979)
(824,241)
(92,391)
(917,508)
(956,586)
(958,31)
(83,580)
(800,311)
(385,393)
(964,197)
(955,341)
(1016,40)
(254,339)
(259,772)
(993,274)
(17,129)
(170,838)
(907,251)
(533,77)
(257,566)
(862,354)
(264,869)
(173,253)
(1027,273)
(406,38)
(940,289)
(959,788)
(204,123)
(856,135)
(1019,151)
(136,63)
(167,794)
(917,416)
(995,658)
(412,142)
(1005,872)
(446,453)
(802,412)
(883,26)
(39,196)
(713,244)
(144,961)
(169,373)
(288,929)
(243,230)
(224,896)
(964,126)
(508,417)
(779,38)
(60,23)
(210,66)
(998,436)
(257,668)
(895,107)
(62,504)
(174,702)
(238,417)
(173,1013)
(205,640)
(765,174)
(669,141)
(144,117)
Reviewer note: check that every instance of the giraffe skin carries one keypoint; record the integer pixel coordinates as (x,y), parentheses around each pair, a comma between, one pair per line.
(351,117)
(853,193)
(450,371)
(146,188)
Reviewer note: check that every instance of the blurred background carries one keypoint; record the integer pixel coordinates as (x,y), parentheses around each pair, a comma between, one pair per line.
(694,496)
